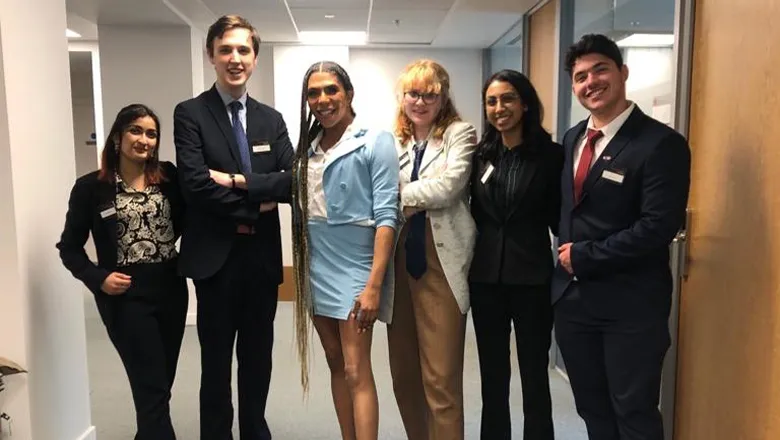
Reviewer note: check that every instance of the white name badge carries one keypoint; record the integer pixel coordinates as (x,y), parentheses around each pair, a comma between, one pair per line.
(487,174)
(108,212)
(613,176)
(261,148)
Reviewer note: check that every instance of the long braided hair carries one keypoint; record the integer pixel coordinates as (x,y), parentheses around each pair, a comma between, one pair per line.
(309,130)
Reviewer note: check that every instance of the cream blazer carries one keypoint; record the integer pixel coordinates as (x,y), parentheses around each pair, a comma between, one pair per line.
(443,191)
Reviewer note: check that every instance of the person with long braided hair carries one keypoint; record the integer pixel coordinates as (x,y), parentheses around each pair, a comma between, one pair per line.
(345,213)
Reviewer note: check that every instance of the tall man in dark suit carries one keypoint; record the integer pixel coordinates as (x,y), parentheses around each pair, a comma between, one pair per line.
(234,158)
(625,189)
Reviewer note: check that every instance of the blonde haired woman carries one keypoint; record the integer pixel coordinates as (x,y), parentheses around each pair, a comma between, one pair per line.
(427,331)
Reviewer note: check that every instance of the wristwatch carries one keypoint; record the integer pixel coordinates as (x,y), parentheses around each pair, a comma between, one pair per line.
(233,181)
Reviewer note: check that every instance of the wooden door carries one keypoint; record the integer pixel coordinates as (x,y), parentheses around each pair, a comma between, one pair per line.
(729,338)
(542,54)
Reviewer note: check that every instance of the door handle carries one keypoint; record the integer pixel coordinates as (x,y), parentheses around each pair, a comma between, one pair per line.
(682,241)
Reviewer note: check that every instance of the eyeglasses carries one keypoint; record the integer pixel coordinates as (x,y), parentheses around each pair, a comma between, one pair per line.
(412,96)
(138,131)
(507,99)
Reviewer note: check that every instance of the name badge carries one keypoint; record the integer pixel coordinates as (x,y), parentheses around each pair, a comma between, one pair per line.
(613,176)
(404,159)
(107,212)
(261,148)
(487,174)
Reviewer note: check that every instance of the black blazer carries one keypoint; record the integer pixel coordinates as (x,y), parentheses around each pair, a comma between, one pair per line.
(204,140)
(88,199)
(633,204)
(513,247)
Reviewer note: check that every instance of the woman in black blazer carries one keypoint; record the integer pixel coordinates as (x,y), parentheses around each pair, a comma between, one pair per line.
(133,208)
(515,201)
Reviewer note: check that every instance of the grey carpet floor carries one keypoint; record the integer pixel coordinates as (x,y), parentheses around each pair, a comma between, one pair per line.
(291,417)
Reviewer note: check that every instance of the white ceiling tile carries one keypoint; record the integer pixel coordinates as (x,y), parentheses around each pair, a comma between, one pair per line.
(327,4)
(443,5)
(344,20)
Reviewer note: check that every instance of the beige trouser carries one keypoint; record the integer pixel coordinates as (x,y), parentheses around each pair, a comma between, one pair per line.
(425,342)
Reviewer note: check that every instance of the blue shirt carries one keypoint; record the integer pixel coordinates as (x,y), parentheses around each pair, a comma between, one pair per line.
(227,99)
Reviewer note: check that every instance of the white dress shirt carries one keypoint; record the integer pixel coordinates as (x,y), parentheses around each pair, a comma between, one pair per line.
(227,99)
(609,130)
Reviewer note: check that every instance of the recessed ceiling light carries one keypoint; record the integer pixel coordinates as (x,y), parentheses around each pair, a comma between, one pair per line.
(329,16)
(72,34)
(336,38)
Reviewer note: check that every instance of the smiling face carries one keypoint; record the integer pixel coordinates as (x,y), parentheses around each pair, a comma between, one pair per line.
(422,105)
(327,99)
(503,106)
(234,60)
(139,140)
(599,84)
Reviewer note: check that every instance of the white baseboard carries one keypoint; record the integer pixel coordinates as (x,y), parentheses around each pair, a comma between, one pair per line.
(192,318)
(89,434)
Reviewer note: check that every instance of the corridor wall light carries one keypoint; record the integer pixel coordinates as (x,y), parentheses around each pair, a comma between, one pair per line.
(647,40)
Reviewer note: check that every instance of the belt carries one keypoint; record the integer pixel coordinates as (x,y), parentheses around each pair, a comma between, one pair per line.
(245,230)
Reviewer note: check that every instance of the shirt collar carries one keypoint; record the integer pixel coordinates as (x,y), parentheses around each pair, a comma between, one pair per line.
(352,129)
(613,127)
(227,98)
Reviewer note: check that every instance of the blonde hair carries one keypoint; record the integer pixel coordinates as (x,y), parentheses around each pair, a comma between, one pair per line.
(425,76)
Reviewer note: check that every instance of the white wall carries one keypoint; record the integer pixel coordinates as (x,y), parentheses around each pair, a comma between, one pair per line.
(261,84)
(148,65)
(375,72)
(41,308)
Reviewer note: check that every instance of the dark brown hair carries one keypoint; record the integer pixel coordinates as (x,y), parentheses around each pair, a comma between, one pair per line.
(593,43)
(109,158)
(226,23)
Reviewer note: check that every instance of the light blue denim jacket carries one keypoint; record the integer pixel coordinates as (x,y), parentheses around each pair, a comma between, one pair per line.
(360,180)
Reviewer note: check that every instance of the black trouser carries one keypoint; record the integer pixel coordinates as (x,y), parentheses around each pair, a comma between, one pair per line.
(146,325)
(494,307)
(237,300)
(614,366)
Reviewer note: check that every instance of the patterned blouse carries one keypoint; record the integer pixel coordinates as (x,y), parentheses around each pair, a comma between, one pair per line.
(144,226)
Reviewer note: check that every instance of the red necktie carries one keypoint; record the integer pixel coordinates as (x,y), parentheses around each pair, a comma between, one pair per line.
(585,160)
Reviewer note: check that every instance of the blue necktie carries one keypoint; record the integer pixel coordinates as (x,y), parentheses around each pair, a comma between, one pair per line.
(240,134)
(415,237)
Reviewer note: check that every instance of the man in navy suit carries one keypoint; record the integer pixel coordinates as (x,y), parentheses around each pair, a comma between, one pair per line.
(234,158)
(625,189)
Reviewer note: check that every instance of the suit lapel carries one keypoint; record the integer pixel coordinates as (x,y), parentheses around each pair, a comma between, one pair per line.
(485,191)
(253,128)
(106,199)
(568,168)
(612,150)
(219,112)
(432,151)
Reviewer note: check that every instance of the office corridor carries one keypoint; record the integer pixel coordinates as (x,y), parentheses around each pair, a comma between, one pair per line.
(290,415)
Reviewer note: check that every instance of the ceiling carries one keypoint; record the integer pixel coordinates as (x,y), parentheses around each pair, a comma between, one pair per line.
(439,23)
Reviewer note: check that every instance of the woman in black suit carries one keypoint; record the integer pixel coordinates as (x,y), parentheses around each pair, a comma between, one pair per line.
(515,201)
(133,208)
